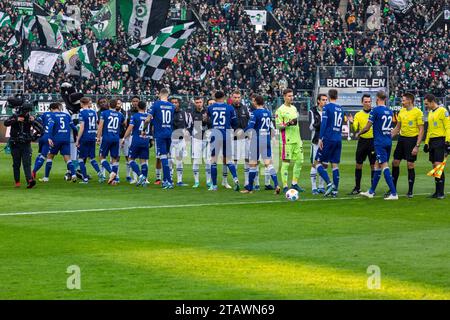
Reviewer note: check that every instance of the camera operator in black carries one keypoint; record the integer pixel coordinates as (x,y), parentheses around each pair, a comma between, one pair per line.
(21,135)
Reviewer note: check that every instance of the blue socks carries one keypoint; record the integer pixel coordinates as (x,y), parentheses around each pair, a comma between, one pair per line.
(166,169)
(214,174)
(39,163)
(232,169)
(48,168)
(106,165)
(273,175)
(323,173)
(251,178)
(115,168)
(389,181)
(376,179)
(336,178)
(71,167)
(83,168)
(95,165)
(144,169)
(134,166)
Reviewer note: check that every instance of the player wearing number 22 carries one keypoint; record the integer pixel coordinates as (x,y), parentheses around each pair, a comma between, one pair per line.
(330,143)
(381,119)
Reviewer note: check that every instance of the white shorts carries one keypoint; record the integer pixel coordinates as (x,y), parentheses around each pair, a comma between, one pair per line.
(200,149)
(240,149)
(178,149)
(314,149)
(125,148)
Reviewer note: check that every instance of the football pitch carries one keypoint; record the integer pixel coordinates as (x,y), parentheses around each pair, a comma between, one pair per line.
(136,243)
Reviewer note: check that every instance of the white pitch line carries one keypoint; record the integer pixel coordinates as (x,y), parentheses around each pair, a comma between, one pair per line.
(193,205)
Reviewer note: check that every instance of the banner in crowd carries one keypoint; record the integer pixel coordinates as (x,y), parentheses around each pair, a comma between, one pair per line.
(157,54)
(257,17)
(5,19)
(41,62)
(23,7)
(401,6)
(373,17)
(143,18)
(104,21)
(86,55)
(49,33)
(74,13)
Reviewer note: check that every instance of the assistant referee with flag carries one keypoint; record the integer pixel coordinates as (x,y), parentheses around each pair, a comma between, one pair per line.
(437,141)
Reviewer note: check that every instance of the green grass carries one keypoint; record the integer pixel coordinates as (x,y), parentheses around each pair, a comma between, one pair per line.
(268,250)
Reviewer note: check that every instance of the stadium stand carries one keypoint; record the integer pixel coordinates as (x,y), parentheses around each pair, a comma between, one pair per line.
(230,54)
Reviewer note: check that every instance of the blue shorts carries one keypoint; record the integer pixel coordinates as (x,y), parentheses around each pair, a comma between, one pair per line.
(383,153)
(44,147)
(163,146)
(86,150)
(220,148)
(260,147)
(140,151)
(331,152)
(62,147)
(111,148)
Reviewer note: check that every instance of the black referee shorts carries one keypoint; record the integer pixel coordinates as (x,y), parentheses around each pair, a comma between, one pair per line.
(365,149)
(405,146)
(437,149)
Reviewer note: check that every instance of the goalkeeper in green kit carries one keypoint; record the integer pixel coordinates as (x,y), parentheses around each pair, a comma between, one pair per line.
(286,118)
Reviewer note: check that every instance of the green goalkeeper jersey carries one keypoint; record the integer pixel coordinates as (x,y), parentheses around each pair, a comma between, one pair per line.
(283,115)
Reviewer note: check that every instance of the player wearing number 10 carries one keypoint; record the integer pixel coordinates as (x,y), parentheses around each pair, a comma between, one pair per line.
(381,120)
(330,142)
(162,116)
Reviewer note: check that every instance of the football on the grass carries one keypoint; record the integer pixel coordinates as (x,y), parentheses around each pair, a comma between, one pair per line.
(292,195)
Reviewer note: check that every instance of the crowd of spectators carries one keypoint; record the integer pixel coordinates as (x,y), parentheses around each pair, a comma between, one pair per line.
(227,53)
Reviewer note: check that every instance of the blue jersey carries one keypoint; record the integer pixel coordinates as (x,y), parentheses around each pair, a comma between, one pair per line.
(89,119)
(381,118)
(223,116)
(45,119)
(112,125)
(61,127)
(331,126)
(162,113)
(138,121)
(260,121)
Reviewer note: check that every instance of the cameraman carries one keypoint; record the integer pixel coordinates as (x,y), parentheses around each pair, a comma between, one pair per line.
(20,142)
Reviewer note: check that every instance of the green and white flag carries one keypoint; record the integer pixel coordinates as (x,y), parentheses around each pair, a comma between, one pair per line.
(23,27)
(86,55)
(41,62)
(49,33)
(143,18)
(157,53)
(5,19)
(104,21)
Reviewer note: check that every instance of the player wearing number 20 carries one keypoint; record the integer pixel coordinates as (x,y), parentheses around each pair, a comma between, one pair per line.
(139,148)
(381,120)
(108,133)
(330,142)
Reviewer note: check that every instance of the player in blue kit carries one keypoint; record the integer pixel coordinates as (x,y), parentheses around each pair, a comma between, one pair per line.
(86,139)
(140,144)
(162,116)
(59,140)
(108,136)
(381,120)
(259,127)
(330,143)
(45,119)
(223,119)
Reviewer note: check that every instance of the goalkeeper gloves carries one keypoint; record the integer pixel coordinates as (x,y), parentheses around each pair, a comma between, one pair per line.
(426,148)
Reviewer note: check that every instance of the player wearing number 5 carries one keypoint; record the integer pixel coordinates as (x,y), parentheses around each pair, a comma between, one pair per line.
(381,120)
(330,143)
(86,139)
(162,116)
(108,136)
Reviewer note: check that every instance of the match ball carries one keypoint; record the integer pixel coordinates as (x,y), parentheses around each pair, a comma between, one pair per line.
(292,195)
